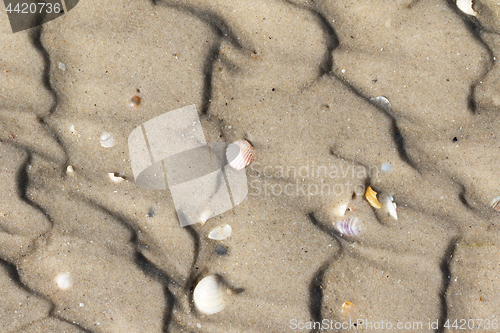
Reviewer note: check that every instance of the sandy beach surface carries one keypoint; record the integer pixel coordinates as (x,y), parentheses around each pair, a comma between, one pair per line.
(336,97)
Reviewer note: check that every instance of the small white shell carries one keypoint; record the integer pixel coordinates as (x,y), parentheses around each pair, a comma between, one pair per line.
(381,101)
(208,295)
(72,130)
(240,154)
(349,226)
(63,280)
(107,140)
(115,177)
(466,7)
(221,232)
(61,66)
(390,205)
(340,209)
(69,169)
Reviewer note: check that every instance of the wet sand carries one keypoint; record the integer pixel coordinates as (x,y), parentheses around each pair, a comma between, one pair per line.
(297,79)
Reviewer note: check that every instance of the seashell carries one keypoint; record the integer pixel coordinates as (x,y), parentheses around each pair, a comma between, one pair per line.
(495,203)
(240,154)
(371,196)
(115,177)
(208,295)
(62,66)
(381,101)
(107,140)
(390,205)
(349,227)
(346,306)
(70,169)
(466,7)
(135,101)
(221,232)
(72,129)
(63,280)
(340,209)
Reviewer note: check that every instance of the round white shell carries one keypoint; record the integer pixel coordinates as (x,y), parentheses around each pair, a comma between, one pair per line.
(349,226)
(239,154)
(466,7)
(221,232)
(208,295)
(63,280)
(107,140)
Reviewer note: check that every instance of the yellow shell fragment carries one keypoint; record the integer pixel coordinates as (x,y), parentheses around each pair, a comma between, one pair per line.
(346,306)
(371,196)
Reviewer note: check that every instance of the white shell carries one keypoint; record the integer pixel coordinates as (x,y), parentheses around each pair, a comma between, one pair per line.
(390,205)
(240,154)
(349,226)
(221,232)
(495,203)
(61,66)
(115,178)
(208,295)
(63,280)
(340,209)
(466,7)
(107,140)
(69,169)
(381,101)
(72,129)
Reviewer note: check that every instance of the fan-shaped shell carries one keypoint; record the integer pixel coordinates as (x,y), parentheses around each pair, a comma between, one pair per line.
(208,295)
(349,226)
(239,154)
(371,196)
(390,205)
(221,232)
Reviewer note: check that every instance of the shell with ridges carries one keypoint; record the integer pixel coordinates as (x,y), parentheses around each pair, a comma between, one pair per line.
(466,7)
(208,295)
(371,196)
(239,154)
(390,205)
(349,226)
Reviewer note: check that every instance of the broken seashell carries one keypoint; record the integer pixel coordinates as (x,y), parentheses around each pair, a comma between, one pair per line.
(107,140)
(371,196)
(390,205)
(346,306)
(240,154)
(381,101)
(115,177)
(466,7)
(349,227)
(72,129)
(495,203)
(70,169)
(208,295)
(221,232)
(340,209)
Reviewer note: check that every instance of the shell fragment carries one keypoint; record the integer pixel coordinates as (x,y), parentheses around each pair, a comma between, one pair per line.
(371,196)
(221,232)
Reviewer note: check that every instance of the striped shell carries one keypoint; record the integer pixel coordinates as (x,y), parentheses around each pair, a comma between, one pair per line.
(240,154)
(349,227)
(208,295)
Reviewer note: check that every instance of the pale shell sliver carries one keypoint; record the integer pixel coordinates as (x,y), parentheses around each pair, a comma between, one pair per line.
(221,232)
(240,154)
(466,7)
(208,295)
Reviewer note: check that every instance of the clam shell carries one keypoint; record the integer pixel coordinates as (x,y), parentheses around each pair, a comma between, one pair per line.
(107,140)
(349,226)
(371,196)
(221,232)
(381,101)
(390,205)
(63,281)
(208,295)
(466,7)
(239,154)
